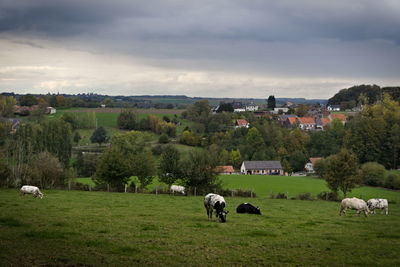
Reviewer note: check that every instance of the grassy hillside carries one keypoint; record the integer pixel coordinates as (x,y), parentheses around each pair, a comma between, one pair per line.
(76,228)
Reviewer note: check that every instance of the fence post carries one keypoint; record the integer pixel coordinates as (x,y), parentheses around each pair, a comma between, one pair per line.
(69,184)
(287,195)
(195,191)
(232,193)
(135,188)
(126,187)
(108,188)
(90,187)
(157,190)
(251,193)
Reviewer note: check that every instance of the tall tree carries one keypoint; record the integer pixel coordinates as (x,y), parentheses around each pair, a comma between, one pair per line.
(7,104)
(99,136)
(271,102)
(342,172)
(169,169)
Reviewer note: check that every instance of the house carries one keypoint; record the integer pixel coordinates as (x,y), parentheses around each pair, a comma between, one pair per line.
(225,169)
(306,123)
(242,123)
(251,107)
(333,107)
(264,167)
(280,110)
(309,167)
(321,123)
(50,110)
(341,117)
(239,110)
(291,121)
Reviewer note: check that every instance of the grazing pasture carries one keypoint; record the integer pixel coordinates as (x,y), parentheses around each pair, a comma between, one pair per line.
(77,228)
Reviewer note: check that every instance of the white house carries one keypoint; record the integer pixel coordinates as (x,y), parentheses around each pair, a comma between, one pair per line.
(263,167)
(50,110)
(333,108)
(251,108)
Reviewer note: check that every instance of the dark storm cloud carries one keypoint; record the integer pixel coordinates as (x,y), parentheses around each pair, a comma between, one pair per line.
(250,20)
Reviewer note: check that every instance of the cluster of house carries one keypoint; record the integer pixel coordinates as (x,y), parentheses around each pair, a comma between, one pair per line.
(310,122)
(264,167)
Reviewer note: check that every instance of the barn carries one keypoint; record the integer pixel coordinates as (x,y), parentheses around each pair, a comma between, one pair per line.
(263,167)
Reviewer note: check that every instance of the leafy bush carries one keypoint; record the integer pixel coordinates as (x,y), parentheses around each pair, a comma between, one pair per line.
(157,150)
(279,196)
(305,196)
(163,139)
(392,181)
(330,196)
(373,174)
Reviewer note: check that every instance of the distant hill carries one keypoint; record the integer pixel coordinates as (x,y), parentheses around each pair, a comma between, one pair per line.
(351,95)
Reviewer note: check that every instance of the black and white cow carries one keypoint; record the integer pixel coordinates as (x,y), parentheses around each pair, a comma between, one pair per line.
(248,208)
(216,203)
(378,203)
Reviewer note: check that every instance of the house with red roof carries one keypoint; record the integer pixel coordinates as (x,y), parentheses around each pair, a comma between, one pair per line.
(242,123)
(306,123)
(225,169)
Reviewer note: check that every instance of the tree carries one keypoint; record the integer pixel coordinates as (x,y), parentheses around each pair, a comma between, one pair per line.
(163,139)
(113,169)
(301,110)
(199,171)
(86,164)
(28,100)
(7,104)
(128,120)
(99,136)
(143,166)
(46,171)
(227,107)
(5,173)
(342,172)
(169,168)
(373,174)
(271,102)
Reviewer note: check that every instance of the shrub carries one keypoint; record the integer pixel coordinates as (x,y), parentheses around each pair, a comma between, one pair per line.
(305,196)
(163,139)
(279,196)
(157,150)
(392,181)
(329,196)
(373,174)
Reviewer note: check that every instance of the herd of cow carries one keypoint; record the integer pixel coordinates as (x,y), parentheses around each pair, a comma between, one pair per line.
(216,203)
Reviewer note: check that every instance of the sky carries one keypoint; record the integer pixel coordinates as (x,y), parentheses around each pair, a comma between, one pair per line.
(208,48)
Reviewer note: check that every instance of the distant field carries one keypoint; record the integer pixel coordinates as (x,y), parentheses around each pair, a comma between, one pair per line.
(263,186)
(77,228)
(294,185)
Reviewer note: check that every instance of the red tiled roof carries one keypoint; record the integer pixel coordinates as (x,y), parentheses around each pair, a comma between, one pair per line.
(292,120)
(241,122)
(325,121)
(314,160)
(225,169)
(306,120)
(341,117)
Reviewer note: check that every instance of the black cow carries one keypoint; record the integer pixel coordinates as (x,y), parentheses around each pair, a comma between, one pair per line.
(248,208)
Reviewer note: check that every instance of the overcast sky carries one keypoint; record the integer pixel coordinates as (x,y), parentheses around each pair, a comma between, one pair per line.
(216,48)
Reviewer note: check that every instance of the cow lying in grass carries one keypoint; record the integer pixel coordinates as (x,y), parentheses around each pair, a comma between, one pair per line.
(30,189)
(378,203)
(248,208)
(216,203)
(177,189)
(354,204)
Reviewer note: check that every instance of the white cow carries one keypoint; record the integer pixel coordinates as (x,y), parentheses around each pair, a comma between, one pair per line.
(378,203)
(354,204)
(30,189)
(178,189)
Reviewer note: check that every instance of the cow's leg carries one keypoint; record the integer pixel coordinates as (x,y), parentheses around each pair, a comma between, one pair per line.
(386,211)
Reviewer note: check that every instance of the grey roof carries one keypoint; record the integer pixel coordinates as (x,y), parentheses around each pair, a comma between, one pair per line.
(262,164)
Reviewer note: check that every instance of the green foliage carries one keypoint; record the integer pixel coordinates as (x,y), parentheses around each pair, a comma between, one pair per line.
(5,173)
(169,167)
(297,160)
(7,104)
(132,142)
(46,171)
(128,120)
(143,166)
(113,168)
(225,107)
(301,110)
(370,92)
(342,172)
(373,174)
(77,137)
(86,164)
(163,139)
(80,120)
(199,171)
(99,136)
(28,100)
(393,181)
(190,139)
(321,167)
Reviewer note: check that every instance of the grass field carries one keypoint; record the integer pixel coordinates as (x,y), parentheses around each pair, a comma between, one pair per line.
(77,228)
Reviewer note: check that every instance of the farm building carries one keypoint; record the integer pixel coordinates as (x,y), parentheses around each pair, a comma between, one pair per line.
(266,167)
(225,169)
(309,167)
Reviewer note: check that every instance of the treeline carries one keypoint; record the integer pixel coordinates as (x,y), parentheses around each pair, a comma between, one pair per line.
(363,94)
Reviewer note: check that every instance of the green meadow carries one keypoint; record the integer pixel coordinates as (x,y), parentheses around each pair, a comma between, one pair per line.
(78,228)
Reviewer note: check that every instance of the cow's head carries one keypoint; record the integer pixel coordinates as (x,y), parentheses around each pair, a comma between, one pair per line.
(222,215)
(258,211)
